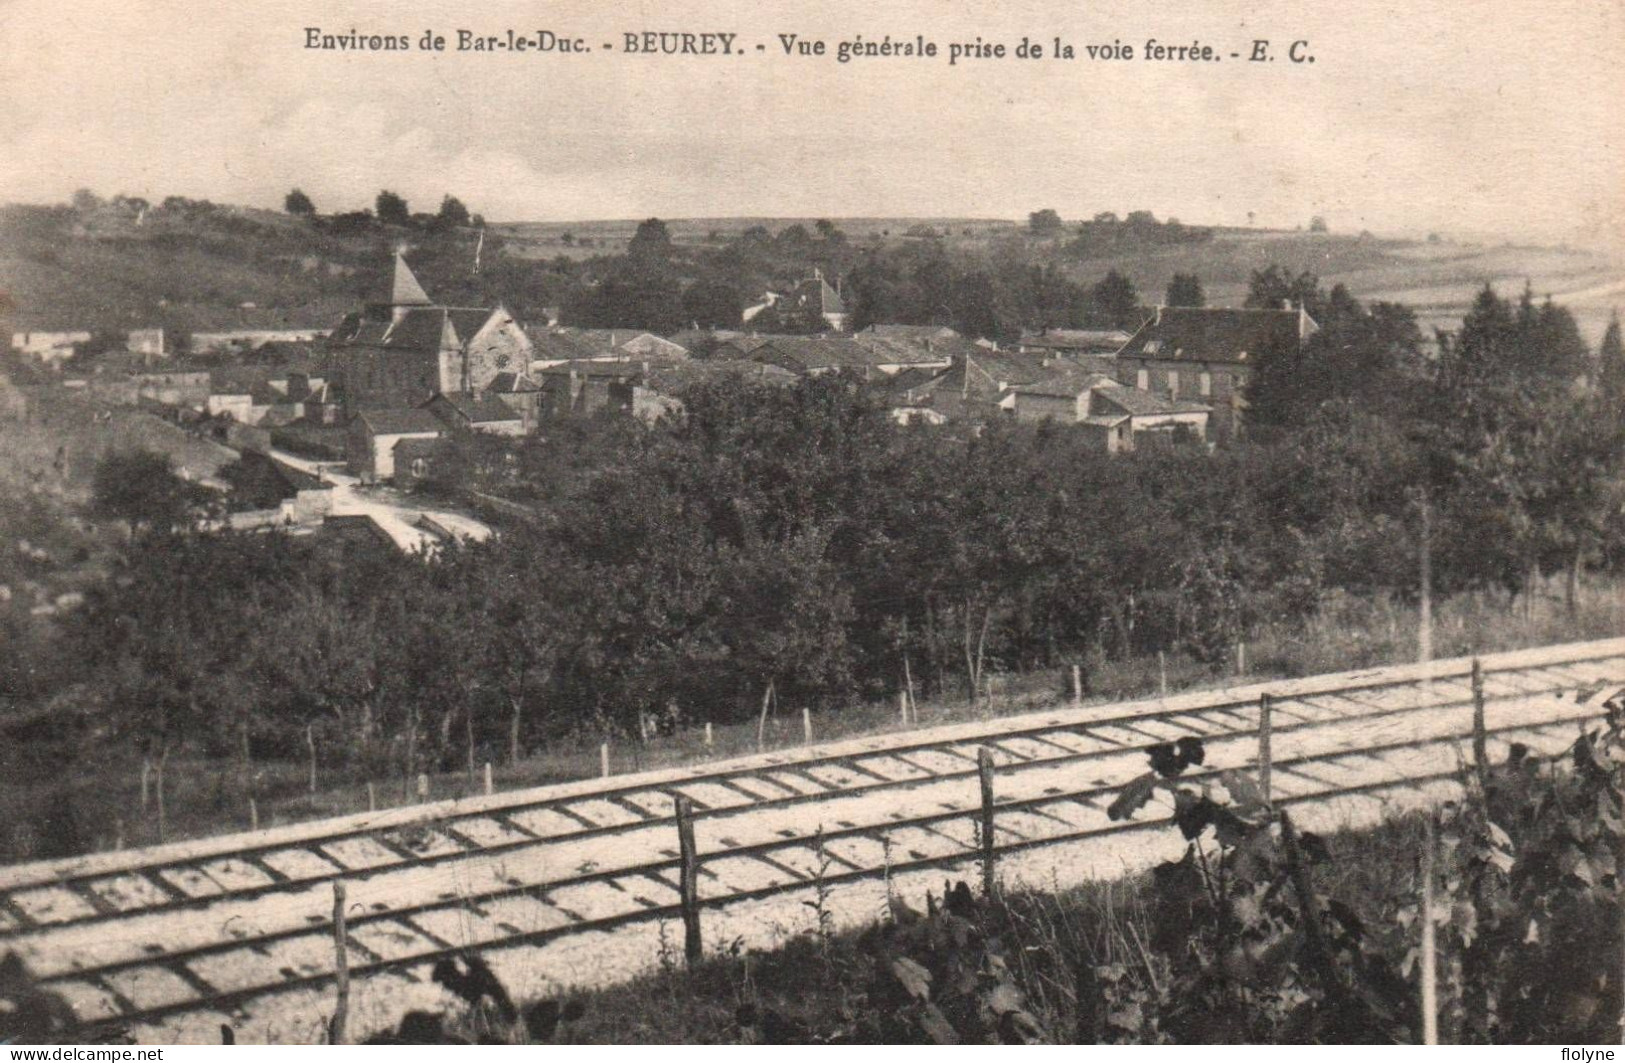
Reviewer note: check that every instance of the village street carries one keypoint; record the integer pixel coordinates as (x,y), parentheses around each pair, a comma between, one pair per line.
(411,525)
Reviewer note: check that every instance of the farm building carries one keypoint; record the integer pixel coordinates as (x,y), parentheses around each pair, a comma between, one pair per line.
(374,434)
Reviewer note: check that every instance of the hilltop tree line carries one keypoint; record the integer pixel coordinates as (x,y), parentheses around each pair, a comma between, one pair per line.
(794,545)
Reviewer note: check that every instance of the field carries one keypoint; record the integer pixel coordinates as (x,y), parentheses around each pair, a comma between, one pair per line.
(228,267)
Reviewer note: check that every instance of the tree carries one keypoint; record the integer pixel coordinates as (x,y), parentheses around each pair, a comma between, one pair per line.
(85,199)
(712,304)
(140,488)
(1317,224)
(1186,290)
(392,209)
(1611,366)
(297,203)
(1044,222)
(452,212)
(829,232)
(651,242)
(1273,288)
(1116,301)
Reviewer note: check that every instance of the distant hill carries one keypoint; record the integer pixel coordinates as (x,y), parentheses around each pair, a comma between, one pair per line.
(196,266)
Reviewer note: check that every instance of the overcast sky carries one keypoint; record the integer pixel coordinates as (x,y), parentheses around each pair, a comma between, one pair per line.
(1496,116)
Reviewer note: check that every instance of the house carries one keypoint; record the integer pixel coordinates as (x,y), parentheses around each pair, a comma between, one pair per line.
(267,491)
(814,355)
(1206,354)
(145,344)
(252,339)
(51,348)
(1073,341)
(550,347)
(403,349)
(1116,418)
(462,411)
(977,385)
(658,391)
(811,306)
(647,347)
(176,387)
(373,435)
(585,388)
(522,394)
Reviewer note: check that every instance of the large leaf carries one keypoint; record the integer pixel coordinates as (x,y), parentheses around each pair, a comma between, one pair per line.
(1133,797)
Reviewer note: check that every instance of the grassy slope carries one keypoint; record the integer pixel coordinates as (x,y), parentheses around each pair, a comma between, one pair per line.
(194,270)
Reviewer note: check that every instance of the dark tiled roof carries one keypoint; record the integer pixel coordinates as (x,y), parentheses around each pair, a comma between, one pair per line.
(1065,385)
(418,330)
(551,346)
(612,369)
(393,422)
(1212,334)
(477,409)
(1145,403)
(672,376)
(806,353)
(1077,339)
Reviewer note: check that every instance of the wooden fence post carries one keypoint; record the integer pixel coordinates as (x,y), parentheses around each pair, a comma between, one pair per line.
(603,759)
(1162,673)
(1077,685)
(490,783)
(1265,733)
(1429,957)
(984,769)
(1241,657)
(1481,746)
(341,969)
(253,815)
(688,880)
(372,798)
(902,706)
(423,786)
(806,725)
(1424,627)
(708,734)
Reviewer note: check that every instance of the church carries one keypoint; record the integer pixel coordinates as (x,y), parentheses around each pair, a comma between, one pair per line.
(398,353)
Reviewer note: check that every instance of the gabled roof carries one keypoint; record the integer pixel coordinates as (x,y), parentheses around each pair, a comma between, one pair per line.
(1065,385)
(806,354)
(1214,334)
(474,409)
(1076,339)
(393,422)
(1139,403)
(594,367)
(815,293)
(550,345)
(910,333)
(672,376)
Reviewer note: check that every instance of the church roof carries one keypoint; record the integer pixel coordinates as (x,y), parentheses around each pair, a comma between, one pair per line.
(404,289)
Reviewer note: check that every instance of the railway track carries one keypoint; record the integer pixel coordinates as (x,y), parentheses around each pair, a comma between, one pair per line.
(578,884)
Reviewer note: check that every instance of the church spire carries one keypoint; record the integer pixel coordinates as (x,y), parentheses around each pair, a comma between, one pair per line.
(404,289)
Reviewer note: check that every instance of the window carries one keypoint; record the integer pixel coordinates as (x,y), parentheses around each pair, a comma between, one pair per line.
(1142,380)
(420,468)
(1173,382)
(1204,383)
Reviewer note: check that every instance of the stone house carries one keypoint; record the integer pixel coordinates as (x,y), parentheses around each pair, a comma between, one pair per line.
(1206,355)
(374,434)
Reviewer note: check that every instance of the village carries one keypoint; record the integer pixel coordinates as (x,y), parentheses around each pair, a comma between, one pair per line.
(370,400)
